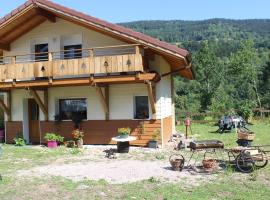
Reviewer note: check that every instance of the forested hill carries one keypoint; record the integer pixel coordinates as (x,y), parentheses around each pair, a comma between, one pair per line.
(190,33)
(231,59)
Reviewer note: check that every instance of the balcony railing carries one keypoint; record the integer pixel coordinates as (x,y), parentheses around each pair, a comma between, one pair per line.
(72,63)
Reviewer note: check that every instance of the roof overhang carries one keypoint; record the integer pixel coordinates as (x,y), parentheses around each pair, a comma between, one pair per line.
(34,12)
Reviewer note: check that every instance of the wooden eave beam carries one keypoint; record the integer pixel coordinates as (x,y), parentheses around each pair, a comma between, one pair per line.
(4,46)
(139,78)
(49,16)
(102,100)
(41,105)
(177,70)
(151,96)
(22,28)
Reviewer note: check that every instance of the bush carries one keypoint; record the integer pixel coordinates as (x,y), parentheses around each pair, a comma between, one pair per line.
(53,137)
(156,135)
(19,141)
(124,131)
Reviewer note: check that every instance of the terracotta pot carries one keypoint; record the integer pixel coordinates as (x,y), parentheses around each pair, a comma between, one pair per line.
(79,143)
(209,164)
(51,144)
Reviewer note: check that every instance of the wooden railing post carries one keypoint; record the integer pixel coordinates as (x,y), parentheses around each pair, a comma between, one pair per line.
(50,65)
(137,50)
(91,53)
(50,56)
(13,60)
(91,61)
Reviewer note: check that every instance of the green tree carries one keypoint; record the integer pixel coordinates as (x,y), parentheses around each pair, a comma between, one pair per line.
(208,73)
(243,72)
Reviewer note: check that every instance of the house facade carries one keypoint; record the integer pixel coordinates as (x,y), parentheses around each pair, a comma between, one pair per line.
(57,64)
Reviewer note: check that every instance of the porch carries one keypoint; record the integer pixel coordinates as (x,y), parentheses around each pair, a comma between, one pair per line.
(32,113)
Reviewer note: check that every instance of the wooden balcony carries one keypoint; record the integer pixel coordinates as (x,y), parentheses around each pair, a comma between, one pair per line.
(76,64)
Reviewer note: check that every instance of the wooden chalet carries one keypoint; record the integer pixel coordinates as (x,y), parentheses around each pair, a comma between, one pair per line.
(57,62)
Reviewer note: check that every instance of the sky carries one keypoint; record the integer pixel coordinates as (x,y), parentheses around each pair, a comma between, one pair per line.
(133,10)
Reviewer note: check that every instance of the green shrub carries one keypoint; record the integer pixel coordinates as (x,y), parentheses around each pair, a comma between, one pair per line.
(53,137)
(124,131)
(19,141)
(156,135)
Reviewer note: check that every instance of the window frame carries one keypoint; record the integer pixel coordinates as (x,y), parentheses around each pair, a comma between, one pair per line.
(79,50)
(135,108)
(75,98)
(41,54)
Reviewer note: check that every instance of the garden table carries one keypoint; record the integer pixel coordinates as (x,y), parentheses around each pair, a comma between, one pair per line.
(123,143)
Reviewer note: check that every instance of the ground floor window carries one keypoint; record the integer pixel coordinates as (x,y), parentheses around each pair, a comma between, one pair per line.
(141,110)
(68,108)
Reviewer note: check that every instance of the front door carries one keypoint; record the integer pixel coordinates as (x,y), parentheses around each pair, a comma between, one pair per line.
(33,116)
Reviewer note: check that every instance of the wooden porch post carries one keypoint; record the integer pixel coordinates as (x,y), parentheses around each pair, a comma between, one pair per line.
(107,100)
(151,95)
(41,105)
(104,100)
(7,108)
(46,103)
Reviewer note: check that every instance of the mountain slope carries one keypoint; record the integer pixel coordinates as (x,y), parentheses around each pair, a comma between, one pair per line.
(190,33)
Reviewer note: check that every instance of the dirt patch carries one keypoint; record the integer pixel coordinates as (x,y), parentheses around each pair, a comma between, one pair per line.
(117,171)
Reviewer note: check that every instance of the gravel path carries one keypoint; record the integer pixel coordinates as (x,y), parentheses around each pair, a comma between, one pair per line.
(118,171)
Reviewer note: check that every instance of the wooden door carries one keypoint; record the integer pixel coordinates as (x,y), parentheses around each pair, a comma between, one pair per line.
(33,116)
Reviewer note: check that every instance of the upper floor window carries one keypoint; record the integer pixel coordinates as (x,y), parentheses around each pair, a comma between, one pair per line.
(73,51)
(141,110)
(41,52)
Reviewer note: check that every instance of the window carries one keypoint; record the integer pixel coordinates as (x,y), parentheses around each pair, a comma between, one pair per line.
(141,107)
(72,107)
(73,51)
(41,52)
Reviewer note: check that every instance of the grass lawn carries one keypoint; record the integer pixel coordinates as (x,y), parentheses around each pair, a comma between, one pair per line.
(228,185)
(207,131)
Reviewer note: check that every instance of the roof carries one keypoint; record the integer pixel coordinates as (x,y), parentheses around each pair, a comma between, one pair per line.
(171,50)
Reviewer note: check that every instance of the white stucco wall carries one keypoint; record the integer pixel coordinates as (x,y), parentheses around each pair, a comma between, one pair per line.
(121,101)
(58,34)
(163,88)
(17,104)
(94,107)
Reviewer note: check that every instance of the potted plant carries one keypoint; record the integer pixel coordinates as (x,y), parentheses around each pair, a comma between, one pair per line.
(78,137)
(153,143)
(124,132)
(70,143)
(53,139)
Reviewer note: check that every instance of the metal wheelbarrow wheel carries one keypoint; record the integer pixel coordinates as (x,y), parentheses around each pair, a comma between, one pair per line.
(261,160)
(245,163)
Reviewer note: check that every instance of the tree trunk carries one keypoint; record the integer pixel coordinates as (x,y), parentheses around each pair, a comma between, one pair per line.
(258,98)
